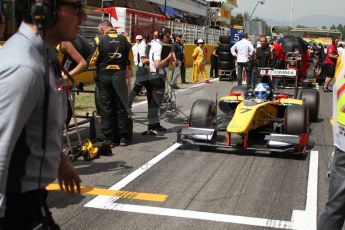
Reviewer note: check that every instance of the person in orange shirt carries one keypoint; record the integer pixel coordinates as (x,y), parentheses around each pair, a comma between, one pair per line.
(199,58)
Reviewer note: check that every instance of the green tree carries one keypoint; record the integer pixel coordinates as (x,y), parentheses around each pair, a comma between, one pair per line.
(237,20)
(246,16)
(324,27)
(340,27)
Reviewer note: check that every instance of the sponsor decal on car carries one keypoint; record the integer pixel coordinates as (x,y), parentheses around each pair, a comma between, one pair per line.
(279,72)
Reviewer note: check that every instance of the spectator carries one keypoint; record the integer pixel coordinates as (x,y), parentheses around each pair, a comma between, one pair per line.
(244,50)
(333,216)
(111,59)
(199,58)
(214,62)
(178,58)
(32,106)
(158,73)
(329,64)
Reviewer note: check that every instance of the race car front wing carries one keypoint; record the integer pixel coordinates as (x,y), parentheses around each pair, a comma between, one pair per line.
(208,137)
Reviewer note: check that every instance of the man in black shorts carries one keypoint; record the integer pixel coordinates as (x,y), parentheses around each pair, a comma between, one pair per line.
(329,64)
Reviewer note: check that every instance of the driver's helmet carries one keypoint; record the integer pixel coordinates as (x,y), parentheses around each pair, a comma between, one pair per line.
(262,91)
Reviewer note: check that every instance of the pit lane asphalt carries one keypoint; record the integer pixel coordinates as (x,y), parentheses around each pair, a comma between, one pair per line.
(259,186)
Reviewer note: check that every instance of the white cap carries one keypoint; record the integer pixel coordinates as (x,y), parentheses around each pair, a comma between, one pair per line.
(199,41)
(139,37)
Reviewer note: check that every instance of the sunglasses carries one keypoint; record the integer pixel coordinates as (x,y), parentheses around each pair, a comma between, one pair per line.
(78,6)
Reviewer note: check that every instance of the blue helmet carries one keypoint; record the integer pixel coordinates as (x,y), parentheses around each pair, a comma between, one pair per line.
(262,91)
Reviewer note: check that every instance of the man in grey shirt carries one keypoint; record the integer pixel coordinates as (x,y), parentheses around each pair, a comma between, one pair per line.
(33,111)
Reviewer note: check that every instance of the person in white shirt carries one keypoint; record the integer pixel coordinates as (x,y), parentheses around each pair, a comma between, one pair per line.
(135,50)
(242,49)
(159,61)
(142,72)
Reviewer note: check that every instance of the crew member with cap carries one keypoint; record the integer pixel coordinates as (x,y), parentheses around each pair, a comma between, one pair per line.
(199,60)
(111,58)
(141,62)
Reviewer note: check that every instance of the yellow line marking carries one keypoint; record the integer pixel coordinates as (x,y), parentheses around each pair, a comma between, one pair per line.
(117,193)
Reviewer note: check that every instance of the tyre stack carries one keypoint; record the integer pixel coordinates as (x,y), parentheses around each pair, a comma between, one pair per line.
(226,62)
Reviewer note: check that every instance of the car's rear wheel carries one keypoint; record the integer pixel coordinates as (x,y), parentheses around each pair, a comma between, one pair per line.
(202,114)
(296,120)
(312,99)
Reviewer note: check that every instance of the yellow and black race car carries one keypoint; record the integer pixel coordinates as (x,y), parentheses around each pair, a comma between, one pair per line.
(258,119)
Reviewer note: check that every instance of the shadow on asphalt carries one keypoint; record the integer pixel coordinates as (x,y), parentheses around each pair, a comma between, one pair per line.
(91,167)
(59,200)
(139,138)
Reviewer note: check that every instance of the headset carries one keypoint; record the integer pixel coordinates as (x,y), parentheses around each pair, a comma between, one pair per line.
(44,13)
(163,32)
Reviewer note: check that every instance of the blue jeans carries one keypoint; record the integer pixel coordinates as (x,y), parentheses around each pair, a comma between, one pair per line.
(334,215)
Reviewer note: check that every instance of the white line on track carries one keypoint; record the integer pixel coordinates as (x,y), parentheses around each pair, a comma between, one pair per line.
(307,219)
(301,219)
(101,200)
(280,224)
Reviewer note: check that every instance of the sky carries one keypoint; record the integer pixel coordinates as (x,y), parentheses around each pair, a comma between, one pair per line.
(281,9)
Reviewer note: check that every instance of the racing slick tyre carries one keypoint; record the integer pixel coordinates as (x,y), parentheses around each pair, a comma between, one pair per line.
(312,98)
(224,39)
(202,114)
(296,120)
(233,75)
(224,47)
(226,65)
(226,56)
(241,89)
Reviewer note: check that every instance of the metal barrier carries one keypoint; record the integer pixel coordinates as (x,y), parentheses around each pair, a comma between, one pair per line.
(139,25)
(193,32)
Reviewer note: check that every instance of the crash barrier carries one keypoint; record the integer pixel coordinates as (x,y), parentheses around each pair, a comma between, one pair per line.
(136,22)
(226,61)
(193,32)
